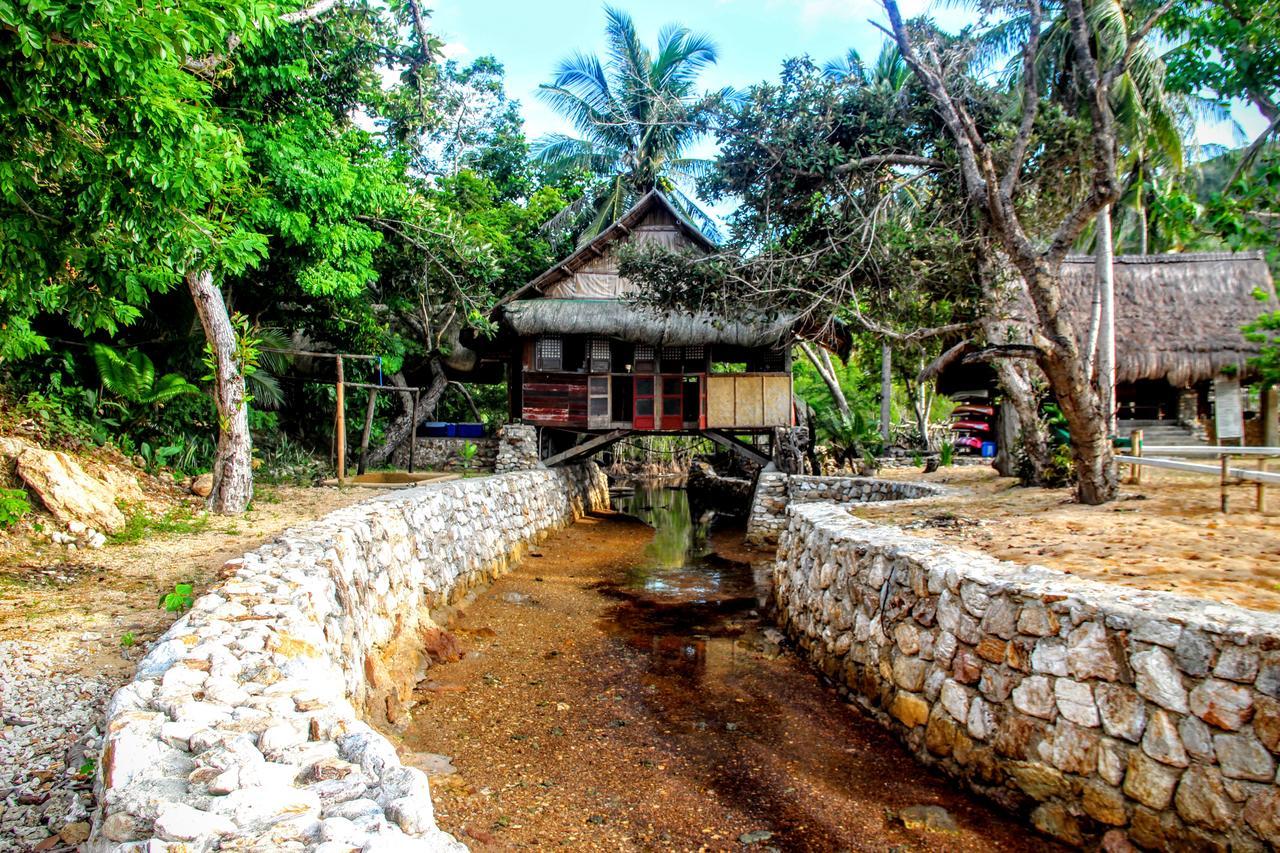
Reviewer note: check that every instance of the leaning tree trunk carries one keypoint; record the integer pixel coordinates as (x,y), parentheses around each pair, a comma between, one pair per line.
(402,427)
(821,362)
(233,464)
(1076,393)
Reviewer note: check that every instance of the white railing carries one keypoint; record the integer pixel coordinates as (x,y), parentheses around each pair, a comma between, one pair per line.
(1227,475)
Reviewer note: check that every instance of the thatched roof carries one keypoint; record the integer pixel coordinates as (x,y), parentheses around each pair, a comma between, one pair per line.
(618,318)
(651,203)
(1178,316)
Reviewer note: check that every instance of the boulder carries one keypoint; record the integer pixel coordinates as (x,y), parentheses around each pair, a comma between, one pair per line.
(201,486)
(67,491)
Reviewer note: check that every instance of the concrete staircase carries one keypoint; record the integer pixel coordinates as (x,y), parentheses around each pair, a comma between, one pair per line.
(1160,433)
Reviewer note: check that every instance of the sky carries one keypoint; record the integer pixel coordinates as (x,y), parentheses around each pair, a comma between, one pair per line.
(530,37)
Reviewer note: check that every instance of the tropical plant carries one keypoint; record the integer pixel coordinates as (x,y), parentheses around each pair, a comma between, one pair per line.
(180,599)
(852,437)
(467,453)
(132,376)
(637,115)
(14,504)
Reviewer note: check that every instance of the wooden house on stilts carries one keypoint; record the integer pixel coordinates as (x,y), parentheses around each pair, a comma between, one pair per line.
(589,365)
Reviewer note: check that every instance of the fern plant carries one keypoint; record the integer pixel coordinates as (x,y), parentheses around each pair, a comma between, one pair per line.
(132,375)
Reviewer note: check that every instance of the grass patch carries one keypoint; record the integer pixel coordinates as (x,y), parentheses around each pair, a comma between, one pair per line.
(140,525)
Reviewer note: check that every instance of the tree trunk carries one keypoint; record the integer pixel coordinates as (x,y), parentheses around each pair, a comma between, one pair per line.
(1020,397)
(233,464)
(1104,269)
(821,362)
(404,425)
(1075,392)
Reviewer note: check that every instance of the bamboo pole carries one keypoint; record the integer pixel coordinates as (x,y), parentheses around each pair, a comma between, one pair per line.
(341,430)
(368,427)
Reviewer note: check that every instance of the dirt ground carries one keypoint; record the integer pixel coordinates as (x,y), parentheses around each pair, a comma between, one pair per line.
(1166,534)
(89,599)
(591,712)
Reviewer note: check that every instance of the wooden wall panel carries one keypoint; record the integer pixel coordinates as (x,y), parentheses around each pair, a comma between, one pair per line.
(555,399)
(720,403)
(777,400)
(748,393)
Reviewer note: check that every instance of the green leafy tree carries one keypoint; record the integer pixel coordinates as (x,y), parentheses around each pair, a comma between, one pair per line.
(637,114)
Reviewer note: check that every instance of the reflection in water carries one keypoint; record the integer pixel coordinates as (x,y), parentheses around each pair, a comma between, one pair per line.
(693,611)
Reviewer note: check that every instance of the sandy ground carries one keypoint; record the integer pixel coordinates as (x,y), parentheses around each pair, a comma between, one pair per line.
(89,599)
(1166,534)
(589,714)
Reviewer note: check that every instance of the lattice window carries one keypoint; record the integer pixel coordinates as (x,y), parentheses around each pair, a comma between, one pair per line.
(671,358)
(644,358)
(548,353)
(598,355)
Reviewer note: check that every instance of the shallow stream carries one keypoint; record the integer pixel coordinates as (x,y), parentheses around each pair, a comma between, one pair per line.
(621,690)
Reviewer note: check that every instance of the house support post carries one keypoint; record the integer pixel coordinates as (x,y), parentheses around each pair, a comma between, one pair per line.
(1271,416)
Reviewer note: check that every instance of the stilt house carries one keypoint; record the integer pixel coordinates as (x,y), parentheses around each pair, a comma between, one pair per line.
(585,357)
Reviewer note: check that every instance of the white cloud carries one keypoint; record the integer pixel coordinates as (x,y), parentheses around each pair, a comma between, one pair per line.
(454,49)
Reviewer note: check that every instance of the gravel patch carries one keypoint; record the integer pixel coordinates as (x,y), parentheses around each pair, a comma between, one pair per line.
(50,733)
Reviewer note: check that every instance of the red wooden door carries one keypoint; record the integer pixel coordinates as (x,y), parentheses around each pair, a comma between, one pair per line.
(672,402)
(643,405)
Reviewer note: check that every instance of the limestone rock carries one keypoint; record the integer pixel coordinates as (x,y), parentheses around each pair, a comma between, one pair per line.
(1075,702)
(1034,696)
(1150,782)
(1124,714)
(909,709)
(1054,819)
(67,491)
(1262,812)
(1162,742)
(1158,679)
(1089,654)
(1202,799)
(1104,804)
(1222,704)
(1242,756)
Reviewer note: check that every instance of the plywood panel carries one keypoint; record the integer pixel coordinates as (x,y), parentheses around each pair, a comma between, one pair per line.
(720,403)
(777,400)
(748,409)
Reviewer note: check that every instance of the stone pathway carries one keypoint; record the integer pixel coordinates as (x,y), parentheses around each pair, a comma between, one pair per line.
(50,717)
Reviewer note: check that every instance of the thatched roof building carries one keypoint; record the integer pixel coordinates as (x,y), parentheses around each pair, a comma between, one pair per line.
(1178,316)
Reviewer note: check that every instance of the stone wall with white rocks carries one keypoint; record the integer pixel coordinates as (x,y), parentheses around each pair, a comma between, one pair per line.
(247,726)
(446,454)
(517,449)
(1095,708)
(775,491)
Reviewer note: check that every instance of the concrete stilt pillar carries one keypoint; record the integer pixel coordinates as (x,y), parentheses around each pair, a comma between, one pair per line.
(1271,416)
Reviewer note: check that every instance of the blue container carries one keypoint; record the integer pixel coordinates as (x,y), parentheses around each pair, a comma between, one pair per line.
(434,429)
(988,449)
(470,430)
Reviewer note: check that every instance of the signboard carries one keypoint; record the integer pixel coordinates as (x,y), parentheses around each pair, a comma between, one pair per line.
(1227,411)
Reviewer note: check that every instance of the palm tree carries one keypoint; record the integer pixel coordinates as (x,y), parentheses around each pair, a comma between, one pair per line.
(636,115)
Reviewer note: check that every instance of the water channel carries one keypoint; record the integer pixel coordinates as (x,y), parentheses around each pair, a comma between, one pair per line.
(622,689)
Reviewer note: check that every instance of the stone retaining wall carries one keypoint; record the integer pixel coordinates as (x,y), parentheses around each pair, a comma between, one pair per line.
(445,454)
(246,726)
(775,492)
(1091,706)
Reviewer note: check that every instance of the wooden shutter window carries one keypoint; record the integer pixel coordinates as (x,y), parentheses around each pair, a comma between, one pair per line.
(599,355)
(644,359)
(549,353)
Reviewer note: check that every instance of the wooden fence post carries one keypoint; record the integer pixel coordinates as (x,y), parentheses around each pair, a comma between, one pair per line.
(341,430)
(1222,487)
(1135,448)
(413,429)
(368,426)
(1262,487)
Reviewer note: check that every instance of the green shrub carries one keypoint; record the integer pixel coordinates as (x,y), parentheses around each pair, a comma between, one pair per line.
(14,504)
(178,600)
